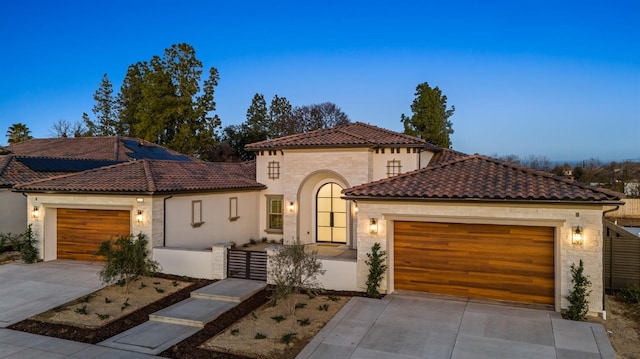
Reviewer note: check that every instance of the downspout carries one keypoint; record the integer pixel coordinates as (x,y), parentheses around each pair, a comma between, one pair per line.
(604,305)
(164,220)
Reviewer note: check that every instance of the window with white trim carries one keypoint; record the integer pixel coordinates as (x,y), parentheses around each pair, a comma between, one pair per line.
(196,214)
(274,214)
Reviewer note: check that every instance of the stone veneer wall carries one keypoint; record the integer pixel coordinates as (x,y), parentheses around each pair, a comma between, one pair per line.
(562,217)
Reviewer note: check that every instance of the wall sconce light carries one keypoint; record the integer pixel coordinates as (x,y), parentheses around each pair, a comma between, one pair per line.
(355,207)
(577,237)
(139,199)
(139,216)
(292,207)
(36,212)
(373,226)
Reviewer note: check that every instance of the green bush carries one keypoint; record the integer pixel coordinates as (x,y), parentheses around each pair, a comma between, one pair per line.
(26,245)
(578,303)
(377,268)
(629,295)
(126,259)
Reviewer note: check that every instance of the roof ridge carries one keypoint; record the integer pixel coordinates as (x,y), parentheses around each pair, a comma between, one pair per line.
(149,174)
(395,133)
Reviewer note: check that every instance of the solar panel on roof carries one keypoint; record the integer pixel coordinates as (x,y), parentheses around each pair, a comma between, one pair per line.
(140,152)
(63,164)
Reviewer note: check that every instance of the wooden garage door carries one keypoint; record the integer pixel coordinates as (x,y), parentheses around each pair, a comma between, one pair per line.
(80,231)
(513,263)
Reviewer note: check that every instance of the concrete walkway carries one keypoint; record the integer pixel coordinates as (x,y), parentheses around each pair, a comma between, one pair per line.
(412,325)
(173,324)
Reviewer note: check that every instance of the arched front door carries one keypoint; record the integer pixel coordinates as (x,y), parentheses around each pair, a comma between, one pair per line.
(331,214)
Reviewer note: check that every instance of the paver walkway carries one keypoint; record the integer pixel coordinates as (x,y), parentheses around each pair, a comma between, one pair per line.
(173,324)
(412,325)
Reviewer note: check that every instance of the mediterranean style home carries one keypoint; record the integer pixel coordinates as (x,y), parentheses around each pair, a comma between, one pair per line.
(451,223)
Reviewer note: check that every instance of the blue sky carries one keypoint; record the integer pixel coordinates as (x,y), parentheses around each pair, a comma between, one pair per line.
(554,78)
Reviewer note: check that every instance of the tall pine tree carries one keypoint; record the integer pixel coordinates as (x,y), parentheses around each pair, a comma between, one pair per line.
(430,118)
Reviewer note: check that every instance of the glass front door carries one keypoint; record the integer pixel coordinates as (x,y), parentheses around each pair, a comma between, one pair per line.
(331,214)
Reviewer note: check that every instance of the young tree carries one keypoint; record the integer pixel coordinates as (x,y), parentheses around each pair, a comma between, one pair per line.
(126,259)
(18,132)
(578,296)
(430,118)
(292,270)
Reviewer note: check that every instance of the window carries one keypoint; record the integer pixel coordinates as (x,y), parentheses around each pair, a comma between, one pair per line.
(233,209)
(393,168)
(274,214)
(196,214)
(274,170)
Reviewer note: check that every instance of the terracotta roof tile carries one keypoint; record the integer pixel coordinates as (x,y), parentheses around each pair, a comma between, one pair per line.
(150,176)
(445,155)
(12,171)
(480,178)
(355,134)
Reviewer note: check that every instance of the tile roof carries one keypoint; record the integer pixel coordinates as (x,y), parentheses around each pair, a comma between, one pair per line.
(43,158)
(150,176)
(355,134)
(113,148)
(445,155)
(480,178)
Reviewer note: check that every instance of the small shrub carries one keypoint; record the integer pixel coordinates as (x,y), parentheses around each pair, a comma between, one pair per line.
(253,314)
(253,241)
(159,290)
(82,310)
(175,283)
(323,307)
(107,300)
(245,245)
(264,239)
(125,305)
(273,241)
(157,283)
(578,303)
(85,299)
(311,295)
(103,316)
(26,245)
(260,336)
(278,318)
(377,268)
(300,305)
(235,331)
(142,285)
(629,295)
(233,245)
(333,298)
(304,322)
(288,338)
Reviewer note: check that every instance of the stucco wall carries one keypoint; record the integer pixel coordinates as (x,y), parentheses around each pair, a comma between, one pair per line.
(13,212)
(217,226)
(562,217)
(409,161)
(44,226)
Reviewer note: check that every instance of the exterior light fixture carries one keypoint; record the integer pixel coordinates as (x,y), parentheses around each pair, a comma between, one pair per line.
(139,199)
(355,207)
(373,226)
(577,237)
(36,212)
(139,216)
(292,207)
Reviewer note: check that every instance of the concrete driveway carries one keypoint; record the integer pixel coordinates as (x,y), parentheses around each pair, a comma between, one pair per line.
(29,289)
(413,325)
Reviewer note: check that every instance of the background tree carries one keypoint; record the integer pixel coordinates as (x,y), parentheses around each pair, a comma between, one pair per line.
(64,128)
(281,119)
(18,132)
(430,118)
(318,116)
(105,110)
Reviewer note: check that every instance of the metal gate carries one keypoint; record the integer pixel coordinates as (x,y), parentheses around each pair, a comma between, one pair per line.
(247,264)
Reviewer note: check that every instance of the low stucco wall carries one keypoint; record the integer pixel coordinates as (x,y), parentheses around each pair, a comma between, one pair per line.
(13,212)
(339,275)
(562,217)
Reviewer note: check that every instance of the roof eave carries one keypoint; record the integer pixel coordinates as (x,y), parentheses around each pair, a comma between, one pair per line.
(367,145)
(484,200)
(132,193)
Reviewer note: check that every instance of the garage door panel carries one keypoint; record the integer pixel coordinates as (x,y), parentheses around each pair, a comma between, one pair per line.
(80,231)
(488,261)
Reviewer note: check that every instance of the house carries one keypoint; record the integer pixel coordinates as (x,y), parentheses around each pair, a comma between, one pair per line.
(451,223)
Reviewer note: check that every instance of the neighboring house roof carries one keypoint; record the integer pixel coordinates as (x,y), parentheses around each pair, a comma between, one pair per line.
(114,148)
(44,158)
(480,178)
(150,176)
(355,134)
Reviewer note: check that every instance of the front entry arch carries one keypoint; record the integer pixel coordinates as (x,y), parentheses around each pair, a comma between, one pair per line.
(331,214)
